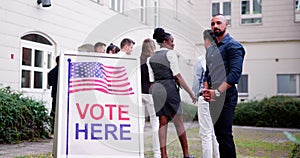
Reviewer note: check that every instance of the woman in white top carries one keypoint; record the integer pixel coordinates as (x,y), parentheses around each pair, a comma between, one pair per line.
(148,48)
(165,74)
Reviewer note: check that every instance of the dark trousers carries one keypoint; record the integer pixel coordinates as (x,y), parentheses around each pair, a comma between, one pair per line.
(222,112)
(52,114)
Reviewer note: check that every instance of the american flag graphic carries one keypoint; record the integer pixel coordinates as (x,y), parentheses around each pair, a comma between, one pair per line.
(94,76)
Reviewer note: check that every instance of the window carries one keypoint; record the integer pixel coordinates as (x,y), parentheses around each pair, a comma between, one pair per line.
(156,13)
(223,7)
(251,12)
(288,84)
(143,11)
(98,1)
(37,56)
(243,85)
(297,11)
(176,8)
(117,5)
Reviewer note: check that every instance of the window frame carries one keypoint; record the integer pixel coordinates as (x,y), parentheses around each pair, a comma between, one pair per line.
(115,7)
(156,13)
(296,11)
(144,11)
(251,15)
(244,94)
(221,10)
(48,51)
(101,2)
(176,9)
(297,93)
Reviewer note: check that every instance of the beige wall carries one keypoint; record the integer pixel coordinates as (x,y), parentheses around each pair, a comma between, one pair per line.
(278,37)
(277,23)
(261,66)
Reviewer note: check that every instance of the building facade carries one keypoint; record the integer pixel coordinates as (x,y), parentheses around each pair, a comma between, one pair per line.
(32,36)
(270,33)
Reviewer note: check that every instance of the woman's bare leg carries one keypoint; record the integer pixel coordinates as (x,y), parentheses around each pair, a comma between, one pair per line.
(163,127)
(178,121)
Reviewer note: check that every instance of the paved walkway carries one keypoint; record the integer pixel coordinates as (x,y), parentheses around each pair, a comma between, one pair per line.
(45,146)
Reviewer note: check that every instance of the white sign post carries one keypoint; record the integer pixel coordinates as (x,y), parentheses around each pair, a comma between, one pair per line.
(99,109)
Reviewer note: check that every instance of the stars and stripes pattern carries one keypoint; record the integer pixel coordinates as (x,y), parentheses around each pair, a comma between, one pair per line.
(95,76)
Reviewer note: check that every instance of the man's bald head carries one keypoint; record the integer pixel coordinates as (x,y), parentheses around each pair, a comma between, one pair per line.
(221,16)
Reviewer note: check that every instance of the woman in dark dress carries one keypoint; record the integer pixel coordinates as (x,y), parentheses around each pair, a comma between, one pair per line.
(165,74)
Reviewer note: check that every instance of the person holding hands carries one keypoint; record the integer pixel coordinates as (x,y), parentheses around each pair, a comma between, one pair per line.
(165,74)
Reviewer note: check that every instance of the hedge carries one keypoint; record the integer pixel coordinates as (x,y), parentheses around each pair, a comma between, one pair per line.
(21,118)
(277,111)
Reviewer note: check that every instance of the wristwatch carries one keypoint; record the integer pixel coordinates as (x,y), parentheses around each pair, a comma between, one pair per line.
(217,93)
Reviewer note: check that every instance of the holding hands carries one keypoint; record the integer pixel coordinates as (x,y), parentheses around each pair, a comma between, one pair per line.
(209,95)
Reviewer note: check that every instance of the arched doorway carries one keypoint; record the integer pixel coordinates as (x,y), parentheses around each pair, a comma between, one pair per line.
(37,55)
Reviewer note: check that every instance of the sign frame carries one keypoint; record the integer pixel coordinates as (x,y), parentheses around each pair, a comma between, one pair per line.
(118,122)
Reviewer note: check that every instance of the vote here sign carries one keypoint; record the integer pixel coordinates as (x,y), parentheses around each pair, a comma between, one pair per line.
(99,107)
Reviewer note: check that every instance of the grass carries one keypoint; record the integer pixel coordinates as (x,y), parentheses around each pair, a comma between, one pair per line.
(257,148)
(49,155)
(261,144)
(249,144)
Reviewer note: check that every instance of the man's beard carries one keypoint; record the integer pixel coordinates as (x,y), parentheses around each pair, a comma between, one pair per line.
(220,33)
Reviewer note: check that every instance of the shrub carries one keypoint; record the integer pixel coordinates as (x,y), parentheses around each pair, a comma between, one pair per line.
(281,111)
(21,118)
(295,152)
(247,113)
(277,111)
(190,112)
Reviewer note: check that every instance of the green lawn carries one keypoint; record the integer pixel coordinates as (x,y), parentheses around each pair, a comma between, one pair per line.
(249,144)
